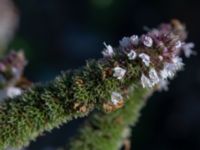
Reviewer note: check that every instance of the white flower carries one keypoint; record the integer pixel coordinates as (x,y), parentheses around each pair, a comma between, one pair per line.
(134,39)
(163,85)
(145,58)
(153,76)
(119,72)
(170,69)
(165,73)
(146,82)
(187,49)
(108,52)
(147,41)
(116,98)
(178,63)
(178,44)
(12,92)
(125,42)
(132,55)
(151,81)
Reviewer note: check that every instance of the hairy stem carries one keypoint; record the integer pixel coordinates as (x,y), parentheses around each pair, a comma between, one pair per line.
(44,107)
(107,132)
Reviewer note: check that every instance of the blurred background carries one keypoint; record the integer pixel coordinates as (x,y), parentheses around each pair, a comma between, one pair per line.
(60,34)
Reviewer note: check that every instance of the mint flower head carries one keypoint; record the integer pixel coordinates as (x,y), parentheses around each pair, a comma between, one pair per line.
(157,54)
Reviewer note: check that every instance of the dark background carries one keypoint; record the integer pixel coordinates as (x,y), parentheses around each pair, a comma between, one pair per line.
(61,34)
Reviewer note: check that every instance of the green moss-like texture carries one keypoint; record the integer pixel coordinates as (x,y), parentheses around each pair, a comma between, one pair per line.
(44,107)
(107,131)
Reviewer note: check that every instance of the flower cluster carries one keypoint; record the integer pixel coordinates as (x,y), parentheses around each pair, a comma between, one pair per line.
(11,70)
(158,53)
(12,67)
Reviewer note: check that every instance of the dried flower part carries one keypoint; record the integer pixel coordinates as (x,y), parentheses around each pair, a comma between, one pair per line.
(145,59)
(76,105)
(132,55)
(79,82)
(119,73)
(110,107)
(106,72)
(23,83)
(83,109)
